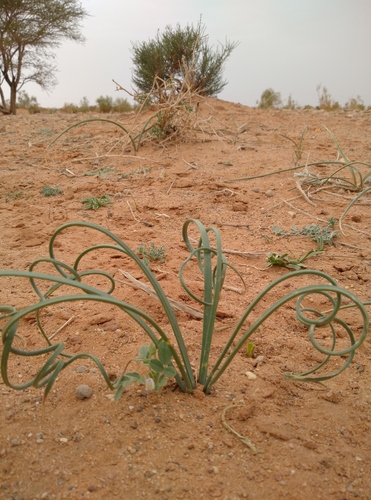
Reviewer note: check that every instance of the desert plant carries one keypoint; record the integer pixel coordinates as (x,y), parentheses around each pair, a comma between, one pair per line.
(213,265)
(28,102)
(51,191)
(355,103)
(270,99)
(121,105)
(94,203)
(151,254)
(325,99)
(135,139)
(84,105)
(12,196)
(291,103)
(298,151)
(69,107)
(283,260)
(169,54)
(321,235)
(105,104)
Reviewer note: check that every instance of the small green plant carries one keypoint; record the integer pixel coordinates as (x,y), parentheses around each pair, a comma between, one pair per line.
(103,172)
(12,196)
(157,360)
(151,254)
(250,349)
(93,203)
(298,145)
(50,191)
(270,99)
(321,235)
(355,103)
(283,260)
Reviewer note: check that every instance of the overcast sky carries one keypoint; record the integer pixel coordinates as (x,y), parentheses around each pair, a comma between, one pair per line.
(291,46)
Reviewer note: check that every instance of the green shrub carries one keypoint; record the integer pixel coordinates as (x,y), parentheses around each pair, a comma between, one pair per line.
(28,102)
(105,104)
(270,99)
(178,52)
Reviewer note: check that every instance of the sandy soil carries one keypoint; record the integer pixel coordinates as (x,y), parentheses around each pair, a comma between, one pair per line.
(314,440)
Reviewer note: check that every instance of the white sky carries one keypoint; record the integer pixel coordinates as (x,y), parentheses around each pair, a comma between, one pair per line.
(288,45)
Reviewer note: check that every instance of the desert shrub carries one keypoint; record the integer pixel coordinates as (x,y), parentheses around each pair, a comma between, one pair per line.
(105,104)
(270,99)
(325,99)
(355,103)
(84,105)
(69,107)
(291,104)
(122,105)
(28,102)
(169,55)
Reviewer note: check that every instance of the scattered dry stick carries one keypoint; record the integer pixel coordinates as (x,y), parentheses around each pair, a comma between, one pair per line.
(298,185)
(245,440)
(61,327)
(145,288)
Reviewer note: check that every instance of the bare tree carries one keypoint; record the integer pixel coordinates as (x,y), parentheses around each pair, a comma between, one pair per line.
(28,30)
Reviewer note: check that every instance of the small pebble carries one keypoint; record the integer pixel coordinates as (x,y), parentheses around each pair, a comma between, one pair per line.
(250,375)
(15,442)
(269,193)
(81,369)
(83,392)
(258,361)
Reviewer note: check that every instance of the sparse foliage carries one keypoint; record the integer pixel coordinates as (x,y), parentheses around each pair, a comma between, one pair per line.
(325,99)
(94,203)
(291,104)
(107,104)
(28,102)
(270,99)
(51,191)
(355,103)
(28,30)
(171,54)
(321,235)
